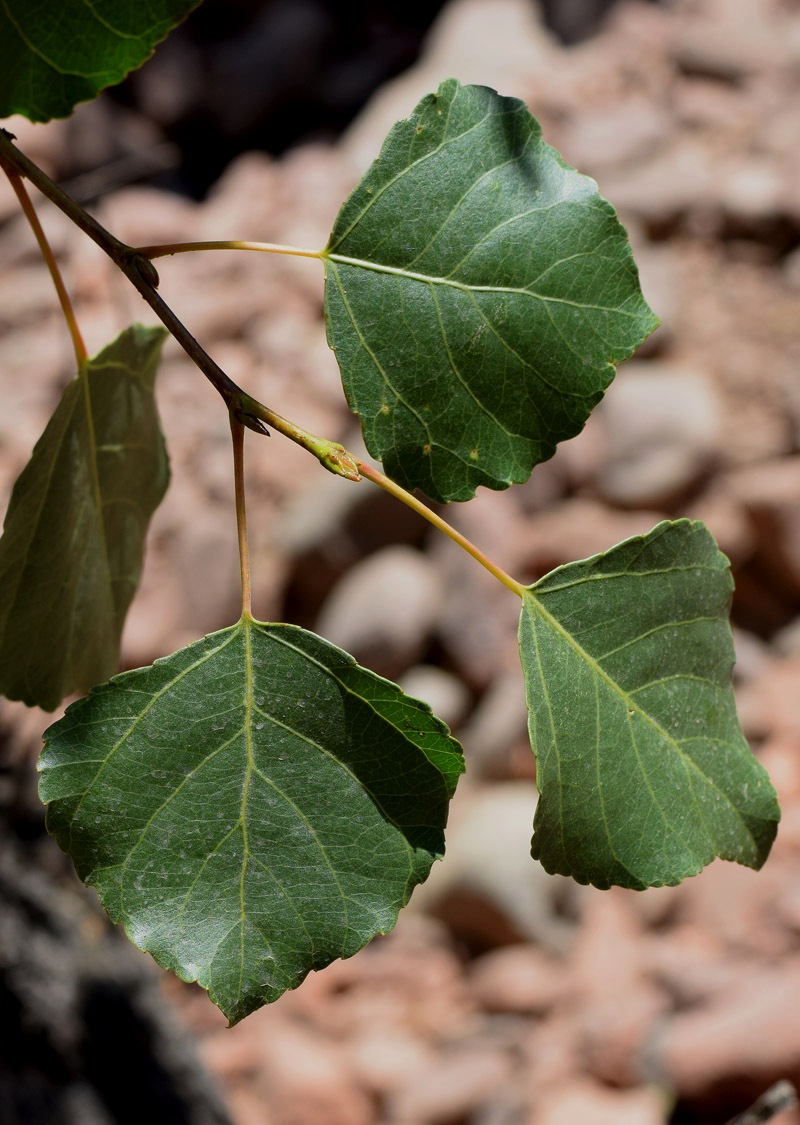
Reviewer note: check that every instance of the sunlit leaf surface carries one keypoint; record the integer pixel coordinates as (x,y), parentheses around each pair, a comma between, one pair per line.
(478,293)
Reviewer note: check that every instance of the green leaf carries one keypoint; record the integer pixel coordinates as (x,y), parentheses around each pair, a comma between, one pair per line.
(643,771)
(73,539)
(53,56)
(478,293)
(251,807)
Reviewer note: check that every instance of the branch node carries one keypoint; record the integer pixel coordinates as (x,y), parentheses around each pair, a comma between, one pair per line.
(147,271)
(254,424)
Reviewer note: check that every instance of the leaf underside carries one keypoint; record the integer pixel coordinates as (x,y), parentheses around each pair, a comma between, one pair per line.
(251,807)
(643,771)
(478,293)
(53,56)
(73,539)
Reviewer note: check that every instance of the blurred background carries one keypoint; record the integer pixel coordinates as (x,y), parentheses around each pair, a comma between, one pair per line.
(504,997)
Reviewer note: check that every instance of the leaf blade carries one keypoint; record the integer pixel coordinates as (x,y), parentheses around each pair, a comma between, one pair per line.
(246,876)
(633,646)
(51,58)
(478,293)
(73,537)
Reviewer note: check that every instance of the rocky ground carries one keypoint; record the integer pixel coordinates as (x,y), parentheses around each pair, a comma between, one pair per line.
(504,997)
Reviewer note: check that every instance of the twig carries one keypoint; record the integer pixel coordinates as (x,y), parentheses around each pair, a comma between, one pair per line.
(243,408)
(139,270)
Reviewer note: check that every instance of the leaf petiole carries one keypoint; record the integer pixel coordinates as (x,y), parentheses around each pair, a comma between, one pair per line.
(162,250)
(432,517)
(237,435)
(17,183)
(338,460)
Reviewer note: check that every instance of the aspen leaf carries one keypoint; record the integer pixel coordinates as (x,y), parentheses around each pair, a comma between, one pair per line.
(73,538)
(643,771)
(251,807)
(478,294)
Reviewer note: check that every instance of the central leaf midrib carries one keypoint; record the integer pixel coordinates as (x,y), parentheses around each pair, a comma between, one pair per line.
(248,772)
(630,704)
(431,279)
(248,625)
(86,395)
(549,619)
